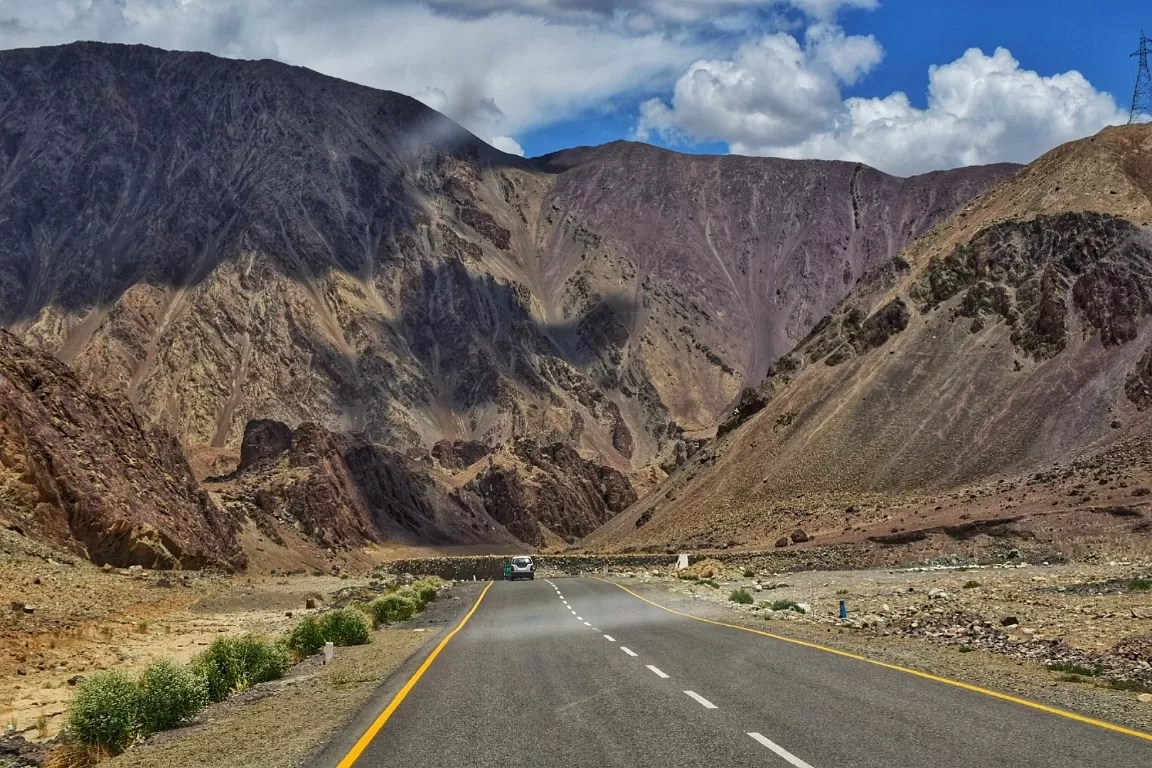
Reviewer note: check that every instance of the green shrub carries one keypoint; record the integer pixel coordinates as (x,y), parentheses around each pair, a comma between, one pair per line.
(170,693)
(689,577)
(841,591)
(306,638)
(426,591)
(232,664)
(787,605)
(749,573)
(1133,686)
(971,584)
(104,711)
(966,649)
(1140,585)
(344,626)
(1075,669)
(393,608)
(742,596)
(710,583)
(1071,679)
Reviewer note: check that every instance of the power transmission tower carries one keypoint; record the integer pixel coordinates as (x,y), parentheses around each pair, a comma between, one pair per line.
(1142,95)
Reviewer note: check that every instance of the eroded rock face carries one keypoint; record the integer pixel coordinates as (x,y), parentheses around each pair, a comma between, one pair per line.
(550,491)
(342,491)
(78,468)
(263,439)
(239,240)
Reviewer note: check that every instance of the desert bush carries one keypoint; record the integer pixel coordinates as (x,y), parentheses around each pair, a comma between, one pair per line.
(427,591)
(1075,669)
(393,608)
(971,584)
(170,693)
(306,638)
(710,583)
(1140,585)
(787,605)
(344,626)
(742,596)
(749,573)
(104,711)
(233,664)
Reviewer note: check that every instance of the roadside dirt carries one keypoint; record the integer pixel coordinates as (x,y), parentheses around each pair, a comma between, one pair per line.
(84,618)
(1061,612)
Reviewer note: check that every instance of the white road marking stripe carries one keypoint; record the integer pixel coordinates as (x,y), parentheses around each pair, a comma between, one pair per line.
(573,613)
(579,618)
(704,702)
(609,638)
(629,651)
(779,750)
(658,672)
(587,624)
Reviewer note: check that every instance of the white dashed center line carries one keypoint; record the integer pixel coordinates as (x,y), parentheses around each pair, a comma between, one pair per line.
(629,651)
(587,624)
(704,702)
(779,750)
(609,638)
(579,618)
(658,672)
(573,613)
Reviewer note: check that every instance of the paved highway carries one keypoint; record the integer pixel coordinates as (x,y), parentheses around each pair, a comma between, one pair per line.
(578,672)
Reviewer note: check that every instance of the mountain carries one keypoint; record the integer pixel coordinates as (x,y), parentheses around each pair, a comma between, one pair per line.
(224,241)
(994,358)
(78,469)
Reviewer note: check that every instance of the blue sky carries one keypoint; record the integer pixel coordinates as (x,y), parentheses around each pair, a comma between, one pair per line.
(834,79)
(1048,36)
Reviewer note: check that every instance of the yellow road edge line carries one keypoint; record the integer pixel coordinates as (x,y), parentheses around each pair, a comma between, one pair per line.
(370,734)
(906,670)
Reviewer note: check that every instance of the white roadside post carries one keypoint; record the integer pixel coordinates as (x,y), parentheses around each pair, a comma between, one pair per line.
(329,649)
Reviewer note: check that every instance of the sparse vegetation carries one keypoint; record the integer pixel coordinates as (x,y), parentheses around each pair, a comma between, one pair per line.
(1071,679)
(841,591)
(1133,686)
(103,712)
(344,626)
(749,573)
(1140,585)
(1074,669)
(786,605)
(710,583)
(393,608)
(306,638)
(689,577)
(142,626)
(169,694)
(232,664)
(971,584)
(741,596)
(1141,491)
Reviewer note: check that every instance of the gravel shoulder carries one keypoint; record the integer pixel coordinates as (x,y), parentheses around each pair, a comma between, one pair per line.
(1045,614)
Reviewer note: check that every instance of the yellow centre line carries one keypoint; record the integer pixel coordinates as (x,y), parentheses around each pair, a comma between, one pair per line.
(370,734)
(925,675)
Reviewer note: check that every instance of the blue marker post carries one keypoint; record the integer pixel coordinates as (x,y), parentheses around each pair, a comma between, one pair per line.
(843,610)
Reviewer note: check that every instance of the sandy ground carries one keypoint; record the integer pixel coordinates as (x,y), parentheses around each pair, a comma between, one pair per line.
(84,618)
(1089,607)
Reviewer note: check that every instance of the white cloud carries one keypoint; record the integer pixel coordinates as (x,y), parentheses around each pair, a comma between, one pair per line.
(498,73)
(779,98)
(772,88)
(507,144)
(652,12)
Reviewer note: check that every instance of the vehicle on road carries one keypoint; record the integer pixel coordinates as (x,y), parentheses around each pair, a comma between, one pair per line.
(522,568)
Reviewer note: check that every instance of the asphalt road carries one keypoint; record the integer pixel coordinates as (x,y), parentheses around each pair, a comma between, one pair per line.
(576,672)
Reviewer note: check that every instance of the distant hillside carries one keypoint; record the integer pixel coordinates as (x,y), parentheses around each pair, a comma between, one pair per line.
(1013,338)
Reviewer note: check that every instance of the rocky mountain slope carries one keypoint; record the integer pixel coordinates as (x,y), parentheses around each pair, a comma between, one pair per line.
(1013,339)
(229,240)
(79,469)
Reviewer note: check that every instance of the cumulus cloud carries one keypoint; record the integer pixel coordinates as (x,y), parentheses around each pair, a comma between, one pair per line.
(646,13)
(496,73)
(773,90)
(779,98)
(507,144)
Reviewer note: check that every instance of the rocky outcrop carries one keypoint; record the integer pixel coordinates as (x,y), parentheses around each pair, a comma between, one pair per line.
(458,454)
(341,491)
(550,494)
(79,469)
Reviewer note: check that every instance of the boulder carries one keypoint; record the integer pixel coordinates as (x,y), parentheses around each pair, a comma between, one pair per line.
(798,536)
